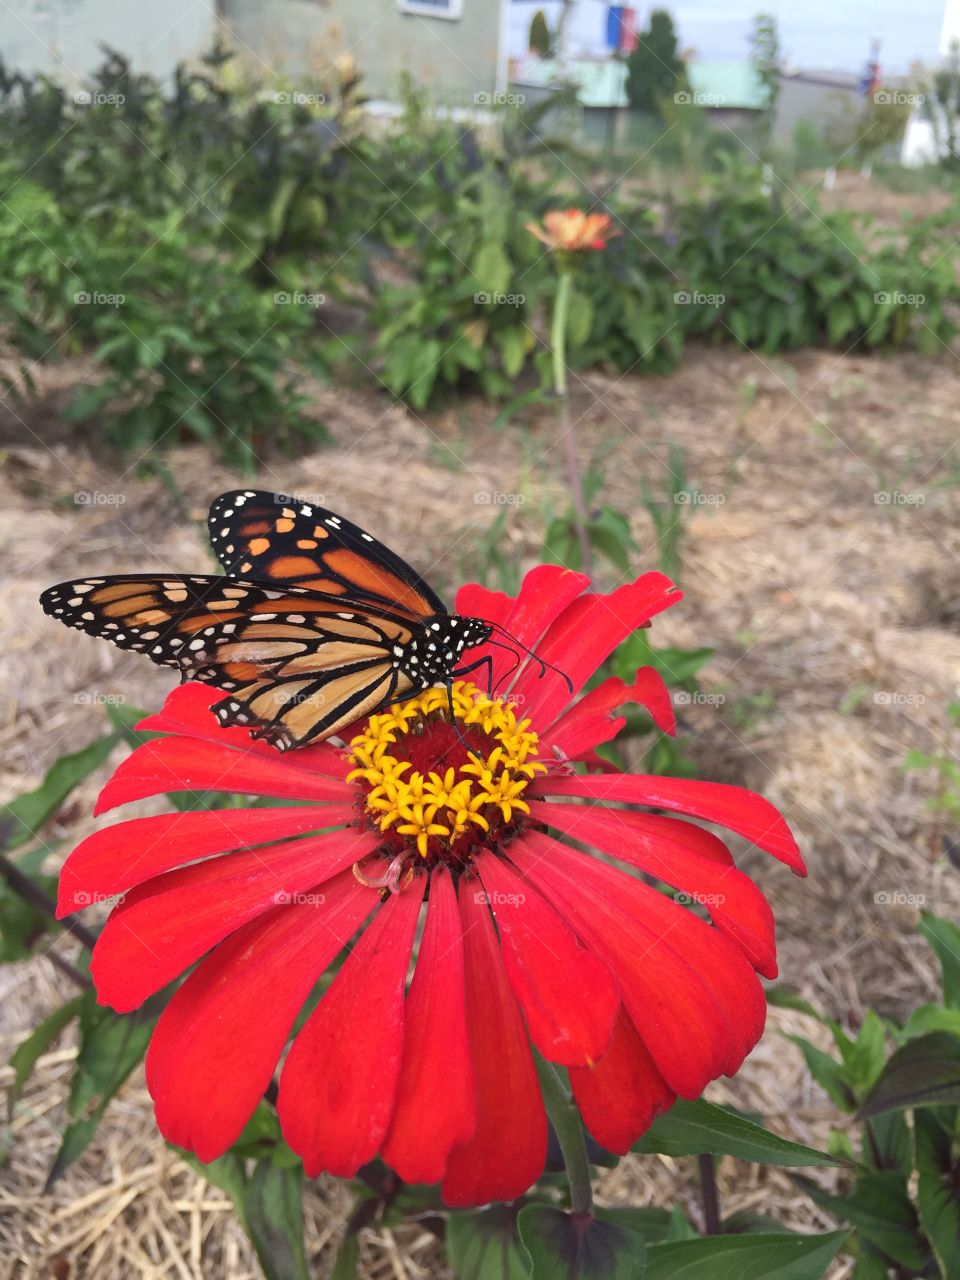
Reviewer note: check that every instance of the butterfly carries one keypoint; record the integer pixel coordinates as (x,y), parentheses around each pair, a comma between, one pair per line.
(313,625)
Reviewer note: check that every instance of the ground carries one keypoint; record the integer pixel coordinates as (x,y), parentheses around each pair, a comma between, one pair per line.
(820,560)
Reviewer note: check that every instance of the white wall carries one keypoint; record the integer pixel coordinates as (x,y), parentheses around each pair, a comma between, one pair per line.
(65,36)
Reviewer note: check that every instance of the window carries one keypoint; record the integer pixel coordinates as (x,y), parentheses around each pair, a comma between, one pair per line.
(432,8)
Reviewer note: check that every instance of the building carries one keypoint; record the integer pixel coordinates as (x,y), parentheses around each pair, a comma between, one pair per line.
(453,49)
(65,38)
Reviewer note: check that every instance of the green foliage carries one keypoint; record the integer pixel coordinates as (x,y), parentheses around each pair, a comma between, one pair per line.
(655,69)
(580,1247)
(945,802)
(695,1128)
(193,350)
(765,57)
(904,1201)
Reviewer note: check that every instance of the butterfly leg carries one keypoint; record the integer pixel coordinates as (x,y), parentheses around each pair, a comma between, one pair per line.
(487,662)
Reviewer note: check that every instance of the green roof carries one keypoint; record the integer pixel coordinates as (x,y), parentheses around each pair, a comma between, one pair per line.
(602,82)
(727,84)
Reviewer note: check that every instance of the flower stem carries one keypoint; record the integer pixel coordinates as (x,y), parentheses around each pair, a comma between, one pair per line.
(558,340)
(565,1118)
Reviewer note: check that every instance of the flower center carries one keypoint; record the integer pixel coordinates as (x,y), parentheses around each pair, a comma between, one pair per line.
(440,791)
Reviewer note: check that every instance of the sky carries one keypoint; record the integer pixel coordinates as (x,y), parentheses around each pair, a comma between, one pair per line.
(813,33)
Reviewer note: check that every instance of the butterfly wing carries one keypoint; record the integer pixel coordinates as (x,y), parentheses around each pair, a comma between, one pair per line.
(277,538)
(297,666)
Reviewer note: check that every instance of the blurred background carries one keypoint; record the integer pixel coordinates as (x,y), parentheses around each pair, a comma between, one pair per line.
(284,242)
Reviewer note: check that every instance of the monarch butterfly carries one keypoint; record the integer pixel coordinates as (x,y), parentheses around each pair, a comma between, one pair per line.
(315,625)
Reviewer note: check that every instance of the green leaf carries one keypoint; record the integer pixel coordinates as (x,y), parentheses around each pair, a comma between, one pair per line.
(31,810)
(111,1045)
(22,923)
(492,269)
(347,1261)
(828,1073)
(750,1257)
(840,321)
(880,1208)
(579,1247)
(938,1191)
(579,320)
(923,1073)
(227,1173)
(931,1017)
(25,1056)
(275,1220)
(651,1223)
(513,350)
(698,1128)
(484,1245)
(944,938)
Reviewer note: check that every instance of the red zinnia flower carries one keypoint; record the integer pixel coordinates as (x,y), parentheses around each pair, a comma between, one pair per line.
(527,938)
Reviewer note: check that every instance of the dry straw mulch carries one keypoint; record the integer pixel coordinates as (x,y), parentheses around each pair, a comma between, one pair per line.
(833,614)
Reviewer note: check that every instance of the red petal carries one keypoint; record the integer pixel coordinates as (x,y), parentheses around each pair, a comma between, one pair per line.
(695,997)
(545,593)
(624,1093)
(590,722)
(436,1104)
(127,853)
(167,923)
(186,712)
(584,635)
(339,1081)
(188,764)
(218,1040)
(507,1152)
(660,847)
(735,808)
(567,994)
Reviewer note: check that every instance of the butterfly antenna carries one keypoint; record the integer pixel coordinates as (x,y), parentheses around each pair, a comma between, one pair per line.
(544,666)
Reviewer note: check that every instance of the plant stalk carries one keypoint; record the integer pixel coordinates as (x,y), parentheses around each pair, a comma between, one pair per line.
(33,894)
(558,340)
(708,1194)
(567,1125)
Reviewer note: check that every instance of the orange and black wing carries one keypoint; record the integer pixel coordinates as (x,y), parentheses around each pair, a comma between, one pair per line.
(297,667)
(275,538)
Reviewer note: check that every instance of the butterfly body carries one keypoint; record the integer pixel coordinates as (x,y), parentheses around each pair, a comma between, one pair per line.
(315,624)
